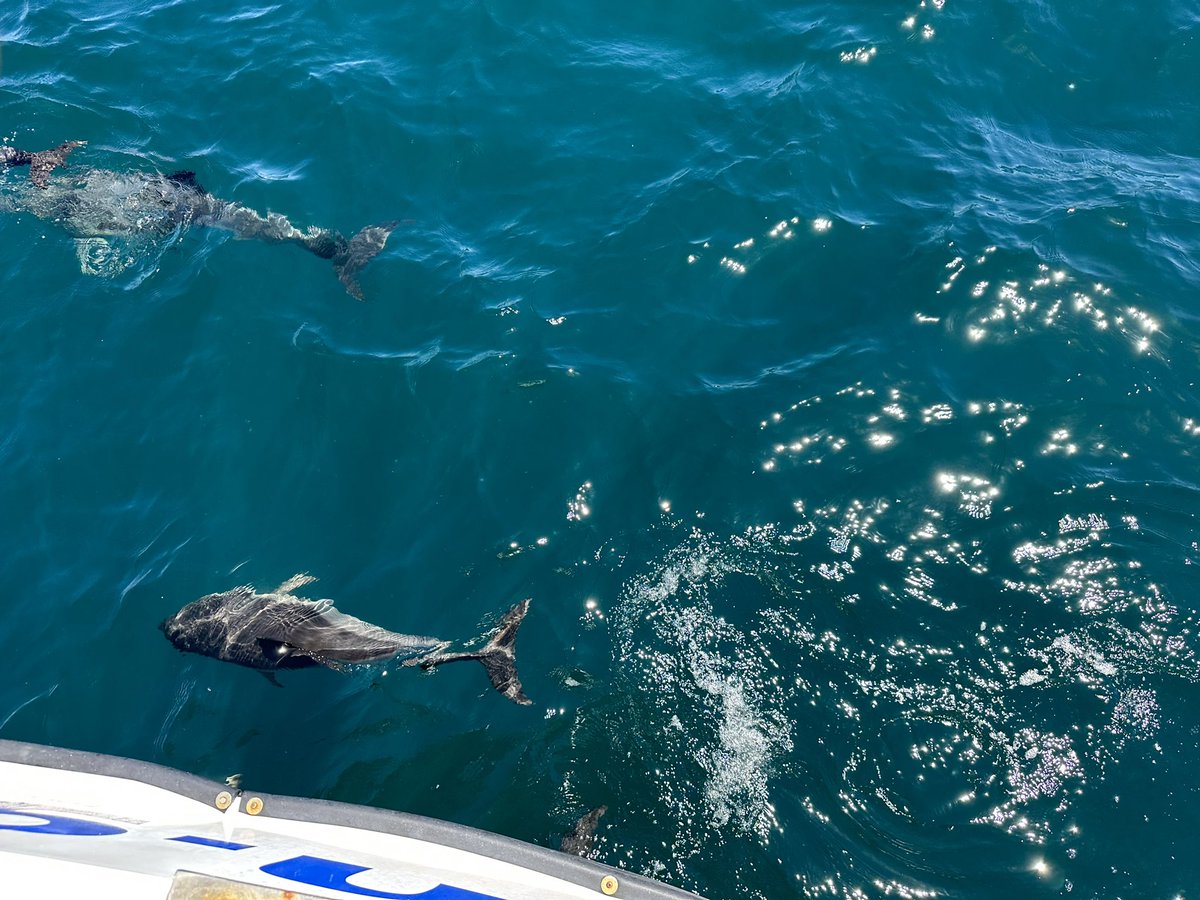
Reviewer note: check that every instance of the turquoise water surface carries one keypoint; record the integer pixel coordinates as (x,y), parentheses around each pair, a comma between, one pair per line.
(825,374)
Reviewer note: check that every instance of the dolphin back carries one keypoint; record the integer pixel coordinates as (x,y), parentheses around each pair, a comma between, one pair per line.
(293,632)
(333,638)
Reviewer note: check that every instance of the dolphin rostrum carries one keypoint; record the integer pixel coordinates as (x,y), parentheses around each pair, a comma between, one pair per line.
(101,208)
(279,630)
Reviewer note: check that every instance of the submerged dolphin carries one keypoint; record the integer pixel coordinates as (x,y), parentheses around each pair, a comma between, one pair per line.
(100,207)
(279,630)
(582,836)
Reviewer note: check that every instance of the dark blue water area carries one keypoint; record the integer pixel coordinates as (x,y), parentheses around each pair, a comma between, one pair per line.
(825,374)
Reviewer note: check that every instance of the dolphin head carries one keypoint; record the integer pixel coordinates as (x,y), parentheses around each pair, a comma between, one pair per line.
(198,627)
(174,631)
(178,629)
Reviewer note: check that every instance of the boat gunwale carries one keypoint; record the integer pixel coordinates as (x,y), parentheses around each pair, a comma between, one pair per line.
(577,870)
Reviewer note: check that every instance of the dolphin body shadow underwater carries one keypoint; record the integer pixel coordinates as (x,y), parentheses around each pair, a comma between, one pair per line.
(279,630)
(103,210)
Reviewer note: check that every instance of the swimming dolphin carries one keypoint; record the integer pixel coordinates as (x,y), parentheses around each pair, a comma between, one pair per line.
(279,630)
(582,836)
(101,208)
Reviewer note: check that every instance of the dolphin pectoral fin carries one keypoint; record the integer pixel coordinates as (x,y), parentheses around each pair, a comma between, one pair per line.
(270,676)
(44,162)
(360,250)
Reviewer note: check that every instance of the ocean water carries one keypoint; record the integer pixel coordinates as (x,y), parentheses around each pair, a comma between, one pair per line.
(825,373)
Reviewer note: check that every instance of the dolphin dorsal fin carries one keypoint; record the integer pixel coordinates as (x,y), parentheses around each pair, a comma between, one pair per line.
(294,583)
(186,178)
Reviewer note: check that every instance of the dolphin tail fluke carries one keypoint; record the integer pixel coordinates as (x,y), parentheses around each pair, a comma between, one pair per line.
(352,256)
(44,162)
(498,657)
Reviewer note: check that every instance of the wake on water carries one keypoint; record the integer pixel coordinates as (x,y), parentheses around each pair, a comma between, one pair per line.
(857,691)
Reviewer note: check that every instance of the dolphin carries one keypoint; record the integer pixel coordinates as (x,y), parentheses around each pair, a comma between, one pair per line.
(279,630)
(103,209)
(582,836)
